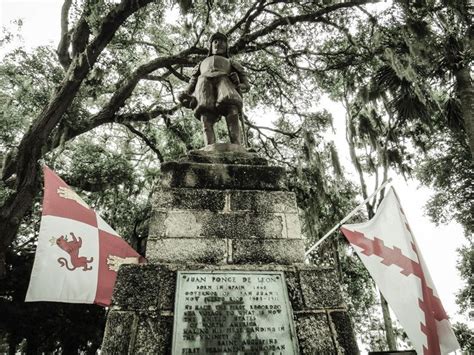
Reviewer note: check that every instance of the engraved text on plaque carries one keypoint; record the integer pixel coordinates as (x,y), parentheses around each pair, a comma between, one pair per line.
(233,312)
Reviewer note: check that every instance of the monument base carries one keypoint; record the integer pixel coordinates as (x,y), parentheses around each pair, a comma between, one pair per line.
(226,272)
(142,316)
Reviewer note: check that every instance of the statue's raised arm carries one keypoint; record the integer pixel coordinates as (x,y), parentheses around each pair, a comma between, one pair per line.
(215,89)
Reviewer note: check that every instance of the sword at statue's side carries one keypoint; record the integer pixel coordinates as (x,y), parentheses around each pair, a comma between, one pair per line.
(353,212)
(244,132)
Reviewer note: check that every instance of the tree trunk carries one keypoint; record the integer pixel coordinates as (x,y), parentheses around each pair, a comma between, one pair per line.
(465,93)
(353,155)
(387,320)
(389,334)
(30,148)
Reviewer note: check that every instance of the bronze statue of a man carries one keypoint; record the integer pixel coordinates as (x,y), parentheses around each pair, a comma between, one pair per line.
(215,90)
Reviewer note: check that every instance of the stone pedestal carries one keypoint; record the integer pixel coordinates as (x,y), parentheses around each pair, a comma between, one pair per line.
(224,211)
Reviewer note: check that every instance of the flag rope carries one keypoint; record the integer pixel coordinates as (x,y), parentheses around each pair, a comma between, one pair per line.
(353,212)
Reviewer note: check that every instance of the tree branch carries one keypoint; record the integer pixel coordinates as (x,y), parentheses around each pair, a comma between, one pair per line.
(344,30)
(147,141)
(177,74)
(177,132)
(101,119)
(156,47)
(248,17)
(108,113)
(276,130)
(30,147)
(80,34)
(63,46)
(315,16)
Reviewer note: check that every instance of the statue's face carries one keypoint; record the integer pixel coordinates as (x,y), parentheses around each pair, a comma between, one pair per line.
(219,46)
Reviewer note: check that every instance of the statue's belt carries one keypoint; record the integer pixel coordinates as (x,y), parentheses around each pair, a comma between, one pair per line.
(213,74)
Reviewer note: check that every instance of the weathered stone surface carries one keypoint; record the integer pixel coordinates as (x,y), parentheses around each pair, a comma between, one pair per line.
(281,251)
(154,334)
(187,250)
(225,153)
(224,200)
(223,176)
(145,287)
(176,224)
(321,288)
(167,279)
(224,217)
(294,289)
(263,201)
(242,225)
(189,199)
(140,321)
(136,287)
(314,334)
(293,227)
(119,334)
(344,332)
(223,148)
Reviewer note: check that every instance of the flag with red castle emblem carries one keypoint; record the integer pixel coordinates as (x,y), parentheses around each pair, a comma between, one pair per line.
(78,254)
(389,251)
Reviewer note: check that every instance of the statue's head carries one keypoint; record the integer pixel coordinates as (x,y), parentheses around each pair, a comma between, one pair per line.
(218,44)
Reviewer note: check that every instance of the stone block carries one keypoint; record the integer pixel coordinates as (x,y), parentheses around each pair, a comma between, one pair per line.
(293,227)
(166,199)
(263,201)
(314,334)
(145,287)
(344,332)
(189,199)
(259,251)
(137,287)
(294,289)
(120,331)
(223,176)
(154,334)
(176,224)
(201,224)
(320,288)
(167,280)
(225,153)
(187,250)
(141,318)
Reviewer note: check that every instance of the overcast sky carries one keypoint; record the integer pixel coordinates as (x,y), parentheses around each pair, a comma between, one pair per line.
(438,244)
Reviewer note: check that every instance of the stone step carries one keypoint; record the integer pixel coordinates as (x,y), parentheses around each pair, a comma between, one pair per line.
(223,153)
(223,176)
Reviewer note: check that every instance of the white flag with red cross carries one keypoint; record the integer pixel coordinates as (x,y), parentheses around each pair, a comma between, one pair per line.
(78,254)
(386,246)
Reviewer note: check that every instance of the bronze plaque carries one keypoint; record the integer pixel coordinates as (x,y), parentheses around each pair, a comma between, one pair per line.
(233,313)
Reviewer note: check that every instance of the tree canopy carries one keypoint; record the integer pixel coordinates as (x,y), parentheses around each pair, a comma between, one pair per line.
(102,108)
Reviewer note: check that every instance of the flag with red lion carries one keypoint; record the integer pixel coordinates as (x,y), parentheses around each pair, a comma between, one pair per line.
(78,254)
(386,246)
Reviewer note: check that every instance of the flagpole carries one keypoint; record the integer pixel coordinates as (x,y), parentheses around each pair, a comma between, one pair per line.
(353,212)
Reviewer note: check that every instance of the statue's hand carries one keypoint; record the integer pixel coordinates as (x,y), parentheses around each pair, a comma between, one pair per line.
(182,96)
(234,78)
(187,100)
